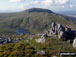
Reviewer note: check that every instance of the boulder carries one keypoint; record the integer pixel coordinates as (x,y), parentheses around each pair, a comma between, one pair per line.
(31,36)
(41,52)
(40,40)
(6,40)
(61,34)
(74,43)
(44,35)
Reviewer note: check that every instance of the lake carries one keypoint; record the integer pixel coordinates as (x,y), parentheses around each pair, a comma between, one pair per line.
(22,31)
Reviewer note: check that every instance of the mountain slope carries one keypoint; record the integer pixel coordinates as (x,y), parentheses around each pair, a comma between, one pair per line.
(34,19)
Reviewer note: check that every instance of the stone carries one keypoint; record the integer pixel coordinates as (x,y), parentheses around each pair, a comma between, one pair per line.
(74,43)
(62,35)
(39,34)
(44,35)
(6,40)
(31,36)
(41,52)
(40,40)
(50,33)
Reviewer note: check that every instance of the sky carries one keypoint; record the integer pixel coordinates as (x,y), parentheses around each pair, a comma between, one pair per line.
(20,5)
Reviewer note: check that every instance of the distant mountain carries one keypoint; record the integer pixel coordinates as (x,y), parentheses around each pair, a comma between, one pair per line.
(34,19)
(67,12)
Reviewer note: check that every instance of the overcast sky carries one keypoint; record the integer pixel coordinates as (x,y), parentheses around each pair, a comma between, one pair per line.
(19,5)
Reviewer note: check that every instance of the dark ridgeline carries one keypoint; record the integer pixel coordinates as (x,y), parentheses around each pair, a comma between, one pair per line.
(39,10)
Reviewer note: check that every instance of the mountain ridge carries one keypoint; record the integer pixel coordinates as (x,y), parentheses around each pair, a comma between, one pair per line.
(34,21)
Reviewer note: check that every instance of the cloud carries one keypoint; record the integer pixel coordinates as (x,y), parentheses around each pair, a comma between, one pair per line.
(62,2)
(31,3)
(47,2)
(75,6)
(62,6)
(15,0)
(34,2)
(54,2)
(71,6)
(12,9)
(51,4)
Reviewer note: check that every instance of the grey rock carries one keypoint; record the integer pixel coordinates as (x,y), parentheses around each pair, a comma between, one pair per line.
(40,40)
(61,35)
(41,52)
(74,43)
(50,32)
(32,36)
(6,40)
(44,35)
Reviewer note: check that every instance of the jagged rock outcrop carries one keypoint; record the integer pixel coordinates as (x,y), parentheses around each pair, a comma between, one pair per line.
(61,31)
(58,30)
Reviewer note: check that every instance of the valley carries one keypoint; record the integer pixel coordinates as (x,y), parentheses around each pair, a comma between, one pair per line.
(36,32)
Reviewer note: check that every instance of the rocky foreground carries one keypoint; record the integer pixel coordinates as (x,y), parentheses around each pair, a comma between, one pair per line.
(8,40)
